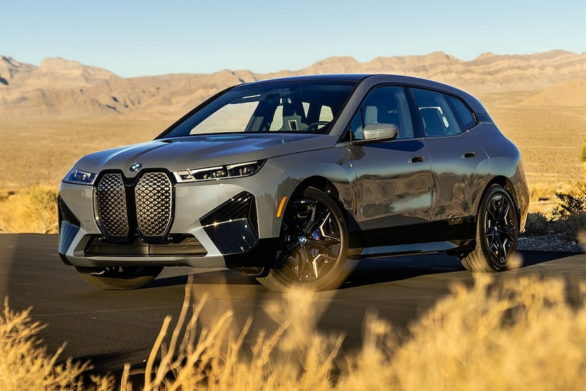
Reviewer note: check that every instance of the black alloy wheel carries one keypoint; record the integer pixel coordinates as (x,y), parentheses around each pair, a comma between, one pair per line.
(313,244)
(497,232)
(500,228)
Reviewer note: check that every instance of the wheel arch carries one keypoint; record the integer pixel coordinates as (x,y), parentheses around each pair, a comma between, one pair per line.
(327,186)
(507,185)
(319,182)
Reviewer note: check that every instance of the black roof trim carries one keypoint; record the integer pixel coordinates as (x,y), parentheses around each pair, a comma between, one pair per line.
(342,77)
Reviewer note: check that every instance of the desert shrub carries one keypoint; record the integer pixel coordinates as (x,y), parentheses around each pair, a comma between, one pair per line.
(571,227)
(523,334)
(570,216)
(29,210)
(537,224)
(573,202)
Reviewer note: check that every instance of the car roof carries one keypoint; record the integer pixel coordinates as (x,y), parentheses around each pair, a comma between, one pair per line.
(357,77)
(341,77)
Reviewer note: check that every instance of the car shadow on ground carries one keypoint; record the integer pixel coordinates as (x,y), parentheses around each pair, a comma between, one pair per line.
(368,271)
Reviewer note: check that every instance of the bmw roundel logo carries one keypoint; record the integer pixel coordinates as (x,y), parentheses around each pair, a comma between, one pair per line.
(135,167)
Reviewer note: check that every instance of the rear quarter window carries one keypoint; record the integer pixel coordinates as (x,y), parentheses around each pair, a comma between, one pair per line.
(435,113)
(462,112)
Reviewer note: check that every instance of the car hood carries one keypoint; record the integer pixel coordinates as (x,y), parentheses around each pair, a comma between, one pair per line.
(203,151)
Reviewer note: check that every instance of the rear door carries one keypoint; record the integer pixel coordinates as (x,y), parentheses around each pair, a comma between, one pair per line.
(456,158)
(392,184)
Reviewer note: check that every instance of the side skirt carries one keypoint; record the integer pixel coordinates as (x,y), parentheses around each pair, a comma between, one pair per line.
(413,248)
(435,236)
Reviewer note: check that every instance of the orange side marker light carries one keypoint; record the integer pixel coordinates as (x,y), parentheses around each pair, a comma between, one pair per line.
(281,206)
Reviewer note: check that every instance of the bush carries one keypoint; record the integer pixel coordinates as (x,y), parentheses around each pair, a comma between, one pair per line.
(570,215)
(537,224)
(571,227)
(571,203)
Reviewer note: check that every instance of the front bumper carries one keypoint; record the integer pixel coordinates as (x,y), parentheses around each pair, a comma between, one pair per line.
(230,243)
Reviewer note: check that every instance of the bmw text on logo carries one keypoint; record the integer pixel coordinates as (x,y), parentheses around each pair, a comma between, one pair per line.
(135,167)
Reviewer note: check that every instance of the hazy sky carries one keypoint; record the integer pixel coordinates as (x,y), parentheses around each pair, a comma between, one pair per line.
(134,38)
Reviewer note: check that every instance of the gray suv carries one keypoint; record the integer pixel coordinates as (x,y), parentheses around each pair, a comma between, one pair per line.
(291,180)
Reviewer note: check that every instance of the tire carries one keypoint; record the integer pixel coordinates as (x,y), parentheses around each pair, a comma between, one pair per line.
(313,246)
(119,277)
(497,232)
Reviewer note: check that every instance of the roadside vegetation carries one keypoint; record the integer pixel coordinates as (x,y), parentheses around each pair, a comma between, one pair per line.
(25,364)
(567,219)
(32,209)
(521,334)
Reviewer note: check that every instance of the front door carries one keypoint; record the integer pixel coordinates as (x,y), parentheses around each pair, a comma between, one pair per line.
(392,179)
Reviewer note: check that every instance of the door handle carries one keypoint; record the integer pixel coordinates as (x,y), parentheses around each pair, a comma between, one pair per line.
(468,155)
(416,159)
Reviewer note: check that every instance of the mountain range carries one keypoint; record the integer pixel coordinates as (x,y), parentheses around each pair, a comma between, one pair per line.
(65,88)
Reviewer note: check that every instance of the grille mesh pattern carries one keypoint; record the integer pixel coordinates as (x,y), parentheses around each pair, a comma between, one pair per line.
(111,203)
(154,202)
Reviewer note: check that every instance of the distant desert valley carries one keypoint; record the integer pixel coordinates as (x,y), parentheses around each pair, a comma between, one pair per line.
(53,113)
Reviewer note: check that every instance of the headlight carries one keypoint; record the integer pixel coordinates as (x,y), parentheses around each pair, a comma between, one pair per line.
(219,172)
(80,177)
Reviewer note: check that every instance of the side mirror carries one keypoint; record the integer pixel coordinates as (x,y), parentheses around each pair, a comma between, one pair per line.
(380,132)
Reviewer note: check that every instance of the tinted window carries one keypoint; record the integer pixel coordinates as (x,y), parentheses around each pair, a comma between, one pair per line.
(436,115)
(384,105)
(462,112)
(288,107)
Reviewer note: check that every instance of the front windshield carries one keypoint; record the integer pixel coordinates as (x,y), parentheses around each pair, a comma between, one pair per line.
(271,107)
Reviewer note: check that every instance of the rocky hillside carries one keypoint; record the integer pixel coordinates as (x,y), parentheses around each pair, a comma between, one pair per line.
(63,88)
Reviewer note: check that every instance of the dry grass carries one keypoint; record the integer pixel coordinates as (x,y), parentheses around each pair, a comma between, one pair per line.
(32,209)
(26,365)
(521,334)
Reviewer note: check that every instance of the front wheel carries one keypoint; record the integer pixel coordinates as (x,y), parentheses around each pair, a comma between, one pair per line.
(313,245)
(119,277)
(497,232)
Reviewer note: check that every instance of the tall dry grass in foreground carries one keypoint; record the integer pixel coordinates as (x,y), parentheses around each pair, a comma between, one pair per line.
(521,334)
(26,365)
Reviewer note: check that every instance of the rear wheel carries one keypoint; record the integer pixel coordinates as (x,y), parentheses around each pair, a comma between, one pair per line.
(497,232)
(119,277)
(313,245)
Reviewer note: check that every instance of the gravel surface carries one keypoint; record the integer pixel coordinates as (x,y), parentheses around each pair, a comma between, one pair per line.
(552,242)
